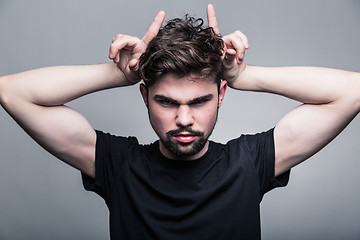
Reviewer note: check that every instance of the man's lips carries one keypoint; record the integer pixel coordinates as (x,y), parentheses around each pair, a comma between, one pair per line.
(185,138)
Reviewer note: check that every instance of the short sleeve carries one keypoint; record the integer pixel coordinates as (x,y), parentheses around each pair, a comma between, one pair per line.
(110,156)
(262,149)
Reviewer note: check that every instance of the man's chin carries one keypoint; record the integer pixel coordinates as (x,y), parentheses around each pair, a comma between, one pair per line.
(185,149)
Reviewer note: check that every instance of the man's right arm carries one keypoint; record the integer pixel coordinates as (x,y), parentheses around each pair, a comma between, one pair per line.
(36,98)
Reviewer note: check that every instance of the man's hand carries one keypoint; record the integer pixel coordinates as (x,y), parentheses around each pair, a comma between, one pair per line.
(126,50)
(234,52)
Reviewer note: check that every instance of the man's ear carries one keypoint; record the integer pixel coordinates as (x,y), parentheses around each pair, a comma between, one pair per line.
(222,90)
(144,93)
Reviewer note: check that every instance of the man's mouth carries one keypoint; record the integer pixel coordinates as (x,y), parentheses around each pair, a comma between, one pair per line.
(185,137)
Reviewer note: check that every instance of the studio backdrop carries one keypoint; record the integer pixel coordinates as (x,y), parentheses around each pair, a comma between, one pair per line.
(43,198)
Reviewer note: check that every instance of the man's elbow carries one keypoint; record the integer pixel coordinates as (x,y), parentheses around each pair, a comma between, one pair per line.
(355,90)
(7,93)
(350,95)
(3,90)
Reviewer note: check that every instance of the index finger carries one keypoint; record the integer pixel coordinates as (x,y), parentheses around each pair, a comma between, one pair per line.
(154,27)
(212,18)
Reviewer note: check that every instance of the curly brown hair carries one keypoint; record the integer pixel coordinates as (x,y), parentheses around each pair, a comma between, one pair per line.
(183,47)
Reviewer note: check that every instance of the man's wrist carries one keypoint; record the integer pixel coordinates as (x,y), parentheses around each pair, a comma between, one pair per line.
(239,80)
(119,76)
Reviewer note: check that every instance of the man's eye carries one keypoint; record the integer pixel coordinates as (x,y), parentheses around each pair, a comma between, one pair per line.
(165,102)
(199,102)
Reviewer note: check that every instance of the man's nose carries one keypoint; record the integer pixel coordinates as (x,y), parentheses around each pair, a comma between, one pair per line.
(184,116)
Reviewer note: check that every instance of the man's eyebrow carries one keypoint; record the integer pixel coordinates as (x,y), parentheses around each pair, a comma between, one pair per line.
(207,97)
(162,98)
(201,99)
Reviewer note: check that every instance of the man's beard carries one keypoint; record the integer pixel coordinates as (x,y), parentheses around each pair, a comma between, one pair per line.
(181,149)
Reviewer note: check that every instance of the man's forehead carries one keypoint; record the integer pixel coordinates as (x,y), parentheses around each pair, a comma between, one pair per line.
(188,81)
(185,88)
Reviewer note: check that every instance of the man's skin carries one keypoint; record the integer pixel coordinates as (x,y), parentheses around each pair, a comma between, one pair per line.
(35,99)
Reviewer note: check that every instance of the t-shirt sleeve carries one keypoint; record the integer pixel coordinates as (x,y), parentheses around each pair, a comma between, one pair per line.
(109,159)
(262,149)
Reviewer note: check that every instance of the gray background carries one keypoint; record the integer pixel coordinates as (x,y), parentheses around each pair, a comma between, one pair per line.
(42,198)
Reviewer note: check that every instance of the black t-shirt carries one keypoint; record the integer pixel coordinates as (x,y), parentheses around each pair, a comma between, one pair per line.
(214,197)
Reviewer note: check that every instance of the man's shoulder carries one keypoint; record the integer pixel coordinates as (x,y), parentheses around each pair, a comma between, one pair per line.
(247,142)
(126,143)
(253,137)
(106,136)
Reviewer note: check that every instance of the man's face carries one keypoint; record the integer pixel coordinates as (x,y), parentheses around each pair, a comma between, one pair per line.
(183,113)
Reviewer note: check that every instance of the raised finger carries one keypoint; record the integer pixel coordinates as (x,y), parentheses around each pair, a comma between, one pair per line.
(154,27)
(212,22)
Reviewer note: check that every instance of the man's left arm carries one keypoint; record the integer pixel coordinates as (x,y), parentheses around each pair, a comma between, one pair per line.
(330,97)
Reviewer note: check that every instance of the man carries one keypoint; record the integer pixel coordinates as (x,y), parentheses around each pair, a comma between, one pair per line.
(182,186)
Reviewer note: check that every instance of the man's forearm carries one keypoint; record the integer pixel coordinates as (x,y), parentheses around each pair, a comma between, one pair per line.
(305,84)
(58,85)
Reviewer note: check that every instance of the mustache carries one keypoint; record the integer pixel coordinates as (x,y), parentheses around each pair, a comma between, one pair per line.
(184,129)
